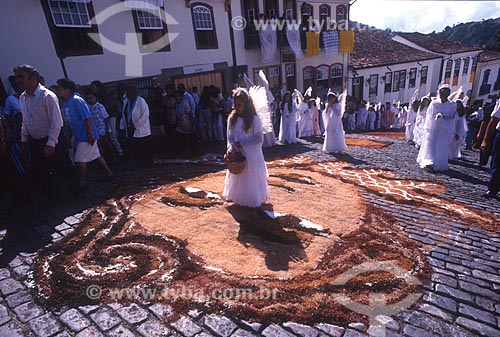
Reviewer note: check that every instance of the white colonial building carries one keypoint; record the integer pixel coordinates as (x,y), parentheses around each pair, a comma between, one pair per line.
(383,70)
(287,67)
(458,61)
(487,81)
(55,37)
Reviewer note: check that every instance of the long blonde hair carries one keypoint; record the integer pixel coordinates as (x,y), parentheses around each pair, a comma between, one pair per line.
(248,110)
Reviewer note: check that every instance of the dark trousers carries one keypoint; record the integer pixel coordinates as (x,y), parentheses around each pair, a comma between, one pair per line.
(44,169)
(494,182)
(143,151)
(186,144)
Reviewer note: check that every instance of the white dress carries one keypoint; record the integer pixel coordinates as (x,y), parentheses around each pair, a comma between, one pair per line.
(288,126)
(418,130)
(249,188)
(306,128)
(334,132)
(410,124)
(438,135)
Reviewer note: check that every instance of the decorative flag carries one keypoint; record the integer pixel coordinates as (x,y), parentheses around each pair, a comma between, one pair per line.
(346,41)
(293,38)
(312,39)
(331,43)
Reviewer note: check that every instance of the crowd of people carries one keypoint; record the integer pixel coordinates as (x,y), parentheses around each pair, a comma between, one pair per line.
(60,129)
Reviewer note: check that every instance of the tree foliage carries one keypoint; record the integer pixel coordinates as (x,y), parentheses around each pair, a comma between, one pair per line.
(483,33)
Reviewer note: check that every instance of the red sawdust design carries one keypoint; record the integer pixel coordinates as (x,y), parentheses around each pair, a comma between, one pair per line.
(387,134)
(371,144)
(163,239)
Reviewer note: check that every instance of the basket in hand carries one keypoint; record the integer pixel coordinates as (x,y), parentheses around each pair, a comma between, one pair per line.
(235,161)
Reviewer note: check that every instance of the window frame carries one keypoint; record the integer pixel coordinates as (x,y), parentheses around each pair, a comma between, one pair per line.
(466,65)
(293,9)
(395,81)
(373,84)
(311,79)
(83,45)
(424,72)
(448,71)
(343,16)
(388,83)
(322,16)
(486,77)
(77,4)
(336,78)
(158,15)
(412,82)
(402,79)
(148,34)
(199,43)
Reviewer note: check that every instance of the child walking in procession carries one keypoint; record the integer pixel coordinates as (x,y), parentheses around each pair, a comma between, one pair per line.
(245,135)
(334,132)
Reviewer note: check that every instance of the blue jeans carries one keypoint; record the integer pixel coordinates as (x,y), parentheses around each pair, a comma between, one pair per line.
(471,134)
(494,182)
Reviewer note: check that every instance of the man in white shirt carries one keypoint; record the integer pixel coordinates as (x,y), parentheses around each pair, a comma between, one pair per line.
(492,138)
(40,130)
(135,117)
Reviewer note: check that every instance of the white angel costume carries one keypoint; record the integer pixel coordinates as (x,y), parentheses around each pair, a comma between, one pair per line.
(266,113)
(288,129)
(439,129)
(249,188)
(418,131)
(334,132)
(306,128)
(410,124)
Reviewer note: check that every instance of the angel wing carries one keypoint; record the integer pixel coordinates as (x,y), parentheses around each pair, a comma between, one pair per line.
(308,92)
(465,100)
(413,97)
(248,81)
(263,82)
(342,101)
(454,95)
(299,101)
(261,104)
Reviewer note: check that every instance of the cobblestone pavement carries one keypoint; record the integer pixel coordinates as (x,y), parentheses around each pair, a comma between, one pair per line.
(463,299)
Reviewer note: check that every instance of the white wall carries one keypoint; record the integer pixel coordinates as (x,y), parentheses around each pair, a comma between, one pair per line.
(26,39)
(31,43)
(403,95)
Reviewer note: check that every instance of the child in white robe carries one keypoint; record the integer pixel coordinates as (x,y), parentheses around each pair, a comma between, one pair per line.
(334,131)
(245,135)
(306,128)
(288,126)
(418,131)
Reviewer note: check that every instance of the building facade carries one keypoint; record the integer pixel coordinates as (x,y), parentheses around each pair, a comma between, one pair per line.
(383,70)
(487,81)
(285,68)
(459,61)
(191,40)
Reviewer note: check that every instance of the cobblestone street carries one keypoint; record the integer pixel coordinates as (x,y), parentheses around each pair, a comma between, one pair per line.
(462,300)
